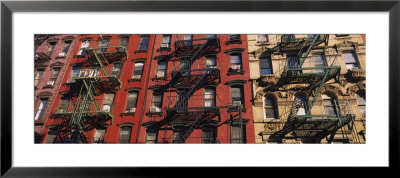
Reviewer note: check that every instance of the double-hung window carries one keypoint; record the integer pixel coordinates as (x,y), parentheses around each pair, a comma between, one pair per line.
(265,65)
(351,60)
(125,134)
(144,42)
(131,102)
(42,107)
(53,77)
(85,44)
(138,70)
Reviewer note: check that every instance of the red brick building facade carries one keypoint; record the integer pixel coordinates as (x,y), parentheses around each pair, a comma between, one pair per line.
(154,89)
(52,56)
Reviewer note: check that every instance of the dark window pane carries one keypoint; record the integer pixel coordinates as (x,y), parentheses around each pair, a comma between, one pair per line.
(144,42)
(132,101)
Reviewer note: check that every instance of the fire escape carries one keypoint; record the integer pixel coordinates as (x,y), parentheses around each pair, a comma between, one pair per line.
(186,111)
(95,78)
(309,125)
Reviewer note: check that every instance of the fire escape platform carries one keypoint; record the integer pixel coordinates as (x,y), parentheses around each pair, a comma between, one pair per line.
(291,44)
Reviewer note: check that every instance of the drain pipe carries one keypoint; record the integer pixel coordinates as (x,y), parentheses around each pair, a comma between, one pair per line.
(146,89)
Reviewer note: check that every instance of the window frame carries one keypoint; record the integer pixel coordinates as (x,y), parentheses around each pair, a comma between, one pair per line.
(238,64)
(40,111)
(137,72)
(233,140)
(274,107)
(143,44)
(134,104)
(129,135)
(354,54)
(241,92)
(53,76)
(269,60)
(154,131)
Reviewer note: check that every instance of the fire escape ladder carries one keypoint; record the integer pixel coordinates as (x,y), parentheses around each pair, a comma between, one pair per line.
(303,58)
(191,128)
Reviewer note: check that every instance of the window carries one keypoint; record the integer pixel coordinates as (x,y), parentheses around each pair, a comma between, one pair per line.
(108,102)
(53,77)
(64,104)
(85,44)
(177,134)
(64,51)
(99,135)
(262,38)
(238,133)
(156,102)
(293,62)
(161,69)
(301,103)
(209,134)
(311,35)
(211,61)
(131,102)
(38,76)
(166,40)
(151,135)
(350,59)
(116,70)
(124,41)
(125,134)
(51,137)
(211,36)
(287,38)
(74,74)
(138,70)
(188,40)
(52,45)
(319,60)
(183,66)
(237,96)
(235,37)
(42,106)
(103,45)
(144,42)
(270,107)
(330,104)
(209,97)
(360,97)
(265,65)
(236,62)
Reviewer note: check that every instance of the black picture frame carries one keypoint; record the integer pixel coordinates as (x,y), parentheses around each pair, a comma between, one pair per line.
(8,7)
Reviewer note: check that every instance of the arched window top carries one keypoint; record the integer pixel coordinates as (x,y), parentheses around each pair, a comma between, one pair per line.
(300,96)
(328,95)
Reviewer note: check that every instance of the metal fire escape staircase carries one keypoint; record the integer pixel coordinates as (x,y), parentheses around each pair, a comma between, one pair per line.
(86,113)
(309,125)
(186,87)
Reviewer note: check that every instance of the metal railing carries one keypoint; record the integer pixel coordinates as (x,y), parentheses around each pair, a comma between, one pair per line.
(194,102)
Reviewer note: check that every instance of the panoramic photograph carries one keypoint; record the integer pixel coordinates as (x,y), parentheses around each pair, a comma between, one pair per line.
(199,88)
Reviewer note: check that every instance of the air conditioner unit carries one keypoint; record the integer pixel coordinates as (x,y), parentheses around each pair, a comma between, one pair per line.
(235,67)
(106,108)
(160,74)
(132,110)
(62,54)
(60,110)
(51,83)
(136,76)
(155,109)
(165,45)
(236,103)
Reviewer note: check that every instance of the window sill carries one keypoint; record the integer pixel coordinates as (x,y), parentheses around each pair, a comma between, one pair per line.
(80,55)
(60,57)
(164,49)
(48,86)
(134,80)
(39,121)
(262,43)
(234,42)
(159,78)
(140,51)
(128,114)
(235,72)
(154,114)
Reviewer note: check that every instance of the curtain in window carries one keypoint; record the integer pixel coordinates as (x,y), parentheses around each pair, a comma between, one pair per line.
(236,61)
(138,69)
(209,97)
(166,39)
(108,101)
(301,102)
(262,38)
(161,69)
(132,101)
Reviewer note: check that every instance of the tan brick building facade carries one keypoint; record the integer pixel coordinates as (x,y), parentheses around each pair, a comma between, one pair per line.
(308,88)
